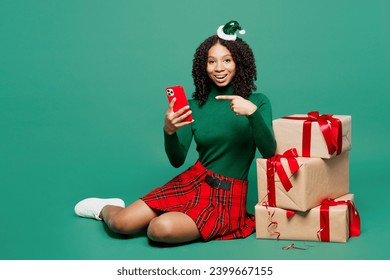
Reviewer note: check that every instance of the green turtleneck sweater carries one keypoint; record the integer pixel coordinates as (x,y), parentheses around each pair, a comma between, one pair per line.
(226,143)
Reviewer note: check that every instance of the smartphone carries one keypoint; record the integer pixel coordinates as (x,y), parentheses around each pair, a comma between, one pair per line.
(181,99)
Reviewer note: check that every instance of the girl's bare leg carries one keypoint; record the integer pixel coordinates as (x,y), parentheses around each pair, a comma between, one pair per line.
(170,227)
(173,227)
(130,219)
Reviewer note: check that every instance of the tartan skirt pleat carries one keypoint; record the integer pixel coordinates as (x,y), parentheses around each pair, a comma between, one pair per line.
(219,214)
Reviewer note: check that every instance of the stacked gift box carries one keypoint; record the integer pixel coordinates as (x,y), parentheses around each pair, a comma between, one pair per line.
(304,191)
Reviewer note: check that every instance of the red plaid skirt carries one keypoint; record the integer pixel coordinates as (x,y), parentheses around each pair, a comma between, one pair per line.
(219,214)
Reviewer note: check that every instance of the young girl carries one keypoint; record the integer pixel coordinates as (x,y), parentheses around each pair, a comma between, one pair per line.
(208,200)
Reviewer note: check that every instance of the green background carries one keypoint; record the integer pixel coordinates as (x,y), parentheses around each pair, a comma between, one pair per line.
(82,104)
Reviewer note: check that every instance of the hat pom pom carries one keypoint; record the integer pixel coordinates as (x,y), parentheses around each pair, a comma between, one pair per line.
(228,31)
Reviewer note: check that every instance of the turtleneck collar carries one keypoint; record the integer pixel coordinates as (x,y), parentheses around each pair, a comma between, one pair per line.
(215,90)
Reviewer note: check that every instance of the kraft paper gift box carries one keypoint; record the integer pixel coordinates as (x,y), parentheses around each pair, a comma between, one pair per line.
(313,135)
(314,179)
(334,221)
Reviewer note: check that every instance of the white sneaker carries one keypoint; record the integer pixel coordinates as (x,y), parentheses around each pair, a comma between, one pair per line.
(91,207)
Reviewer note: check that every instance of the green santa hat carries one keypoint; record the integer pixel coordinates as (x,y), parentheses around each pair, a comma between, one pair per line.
(228,31)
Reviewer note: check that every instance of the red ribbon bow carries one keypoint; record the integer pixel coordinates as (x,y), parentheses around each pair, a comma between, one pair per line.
(354,219)
(331,129)
(274,164)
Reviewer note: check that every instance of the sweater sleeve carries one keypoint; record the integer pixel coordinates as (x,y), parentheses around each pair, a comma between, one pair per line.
(177,145)
(261,123)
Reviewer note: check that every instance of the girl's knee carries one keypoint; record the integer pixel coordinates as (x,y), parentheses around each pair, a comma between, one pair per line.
(160,229)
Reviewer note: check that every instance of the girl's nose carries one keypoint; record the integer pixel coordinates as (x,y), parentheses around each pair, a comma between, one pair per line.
(219,66)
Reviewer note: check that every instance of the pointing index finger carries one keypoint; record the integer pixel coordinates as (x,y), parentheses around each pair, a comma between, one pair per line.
(225,97)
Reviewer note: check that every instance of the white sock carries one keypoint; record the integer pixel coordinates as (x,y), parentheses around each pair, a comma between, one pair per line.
(91,207)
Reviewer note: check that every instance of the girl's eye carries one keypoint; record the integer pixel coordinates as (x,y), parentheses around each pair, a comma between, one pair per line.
(228,60)
(211,62)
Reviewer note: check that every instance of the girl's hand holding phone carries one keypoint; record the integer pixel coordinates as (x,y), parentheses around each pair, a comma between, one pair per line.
(178,113)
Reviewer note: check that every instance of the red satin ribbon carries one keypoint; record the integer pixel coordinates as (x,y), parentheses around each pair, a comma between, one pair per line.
(331,129)
(274,164)
(323,233)
(289,213)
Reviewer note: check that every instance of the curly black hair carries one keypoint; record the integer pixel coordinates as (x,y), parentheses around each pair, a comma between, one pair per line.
(246,74)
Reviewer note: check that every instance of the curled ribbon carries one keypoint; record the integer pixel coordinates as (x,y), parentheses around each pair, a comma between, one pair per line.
(323,233)
(331,129)
(272,224)
(292,246)
(274,164)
